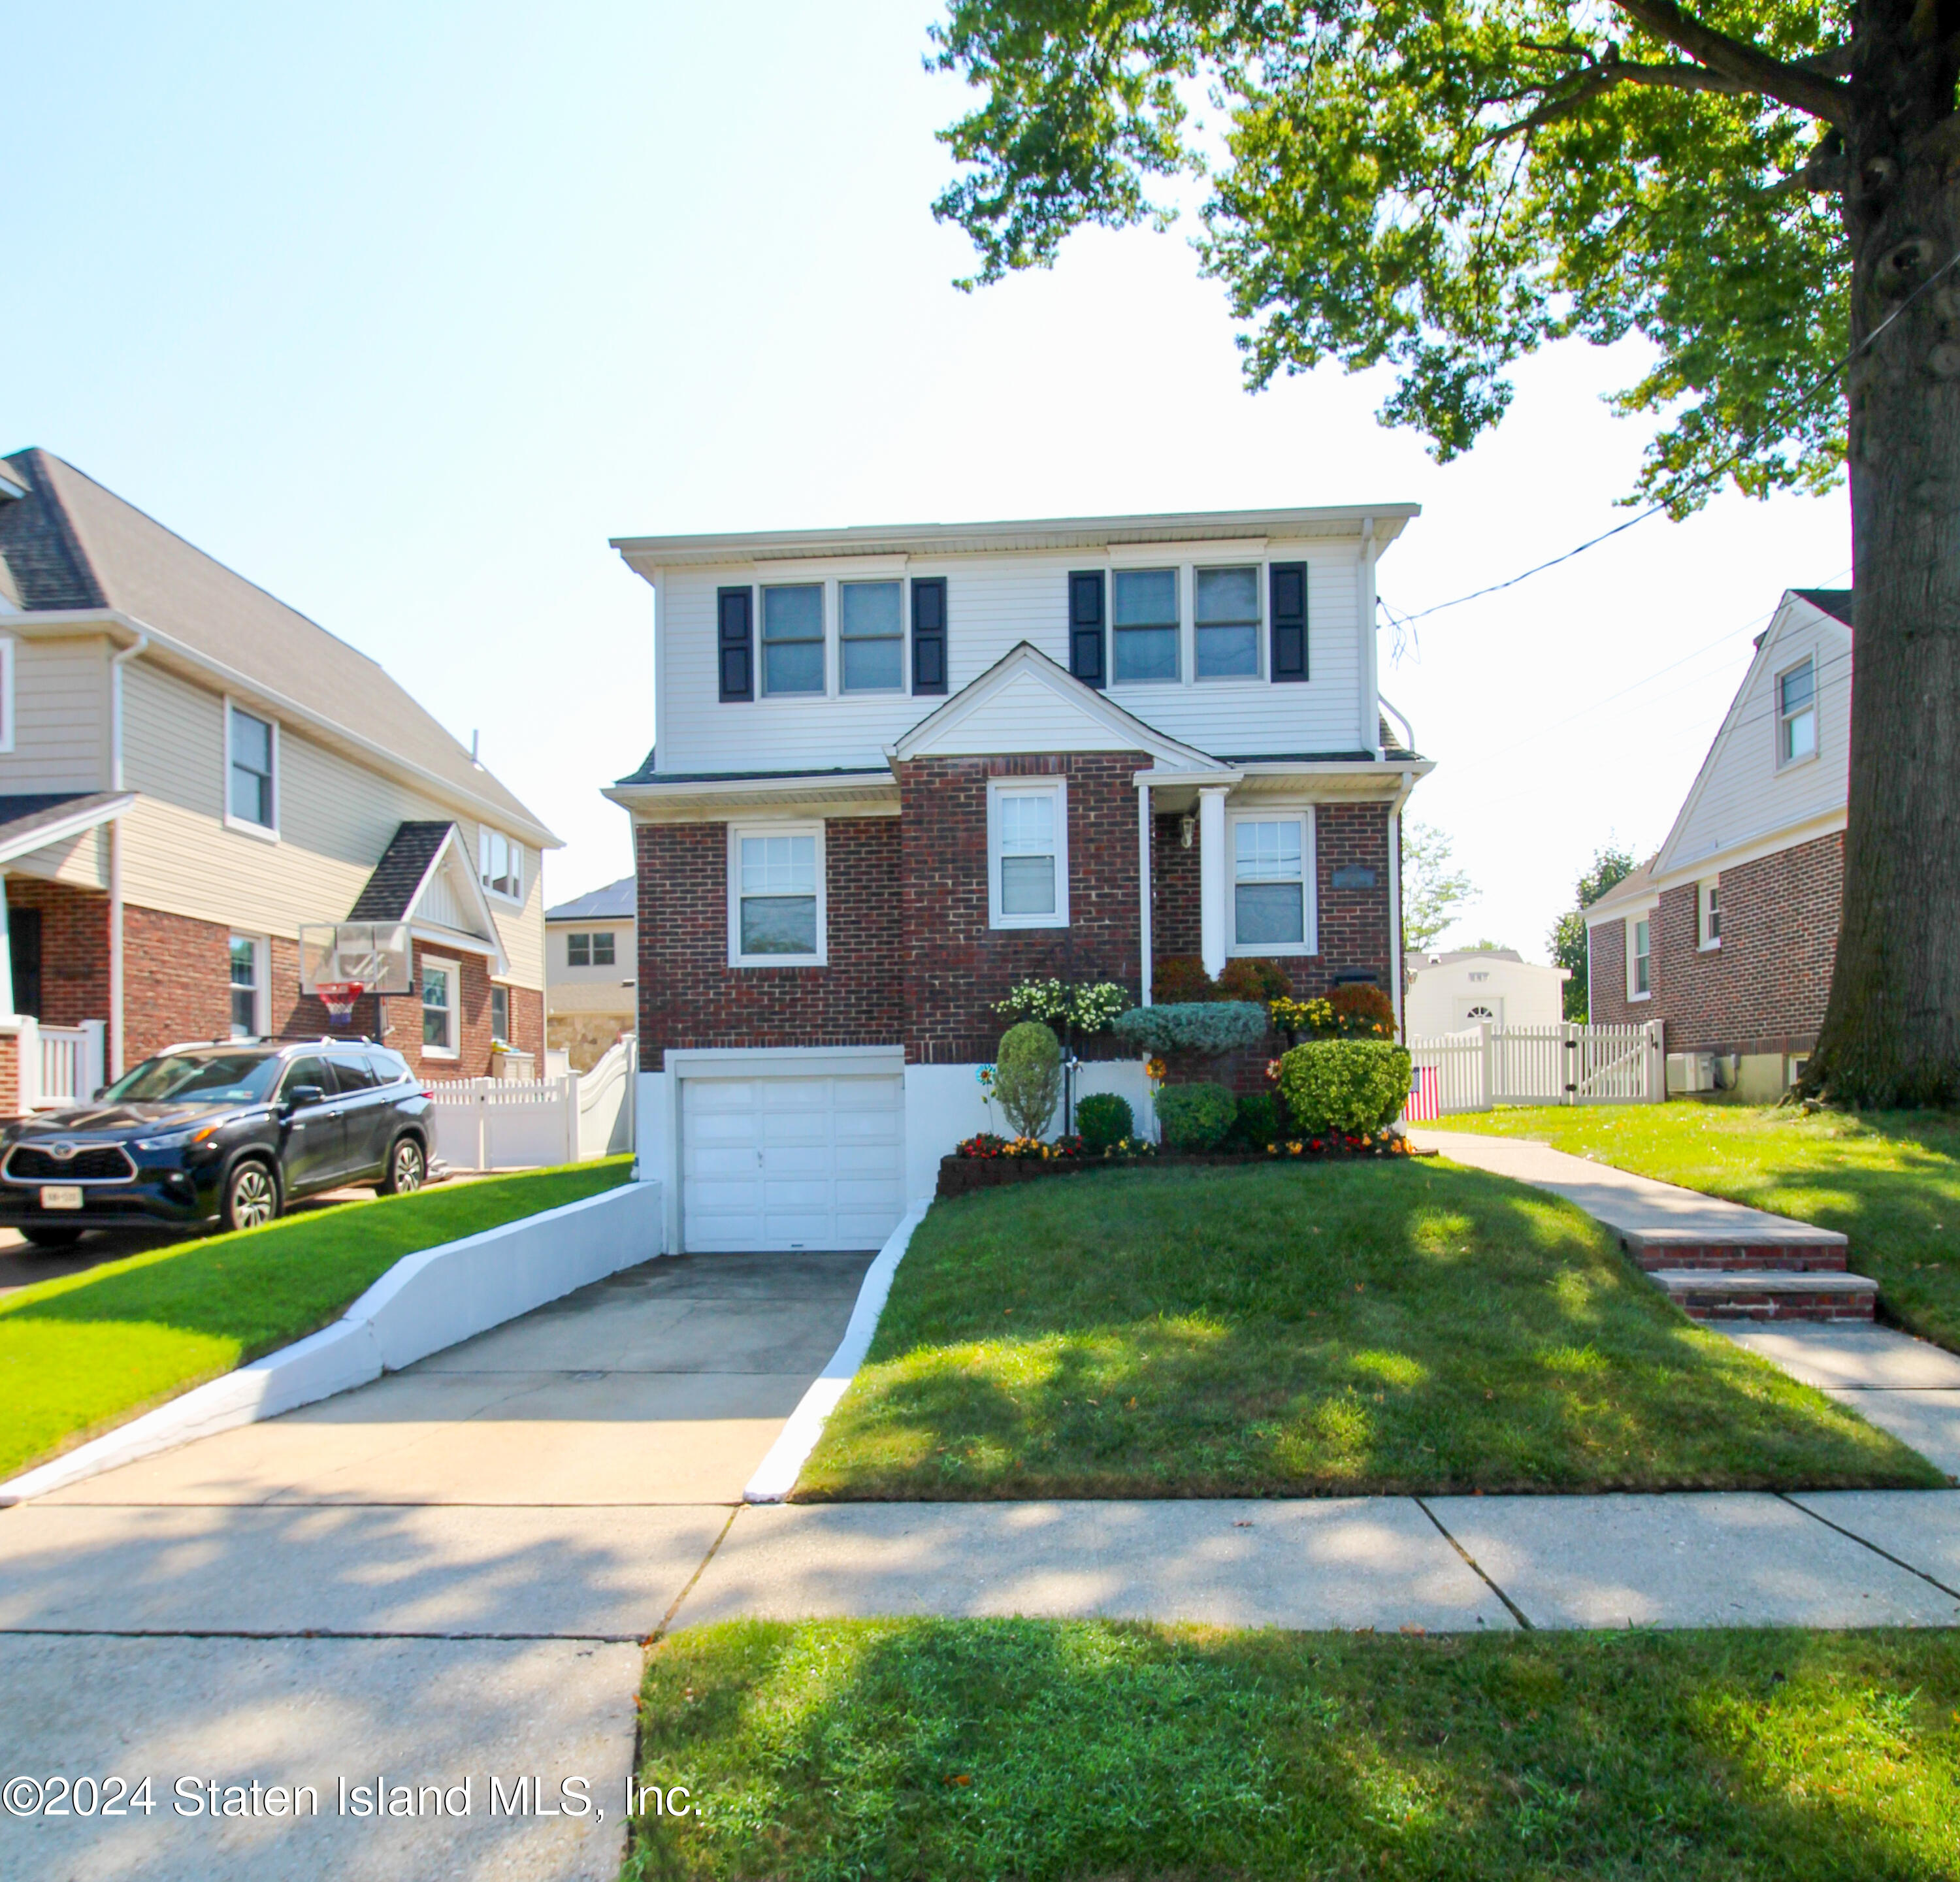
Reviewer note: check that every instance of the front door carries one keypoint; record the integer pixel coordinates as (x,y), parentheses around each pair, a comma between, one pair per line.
(315,1151)
(24,945)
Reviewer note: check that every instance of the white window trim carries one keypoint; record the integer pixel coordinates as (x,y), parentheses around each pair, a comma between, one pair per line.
(1262,580)
(834,615)
(454,970)
(1707,942)
(833,661)
(523,867)
(996,789)
(1180,573)
(1632,921)
(804,826)
(8,646)
(503,987)
(262,952)
(266,833)
(1779,719)
(1309,870)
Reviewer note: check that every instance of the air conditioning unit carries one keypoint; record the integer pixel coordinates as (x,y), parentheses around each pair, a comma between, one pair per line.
(1688,1072)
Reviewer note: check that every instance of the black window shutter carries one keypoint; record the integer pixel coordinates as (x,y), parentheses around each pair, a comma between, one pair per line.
(735,609)
(1287,585)
(929,633)
(1085,626)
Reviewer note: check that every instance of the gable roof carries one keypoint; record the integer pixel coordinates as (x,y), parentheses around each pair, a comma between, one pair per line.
(420,850)
(1023,675)
(1629,891)
(617,901)
(70,544)
(1834,602)
(33,820)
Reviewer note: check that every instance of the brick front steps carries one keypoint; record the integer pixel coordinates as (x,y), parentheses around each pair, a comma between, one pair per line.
(1764,1293)
(1820,1253)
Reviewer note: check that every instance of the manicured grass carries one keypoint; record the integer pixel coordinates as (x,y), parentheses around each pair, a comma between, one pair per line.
(1038,1750)
(87,1351)
(1290,1330)
(1890,1181)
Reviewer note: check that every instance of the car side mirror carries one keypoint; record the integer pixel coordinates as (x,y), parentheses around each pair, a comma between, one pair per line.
(301,1096)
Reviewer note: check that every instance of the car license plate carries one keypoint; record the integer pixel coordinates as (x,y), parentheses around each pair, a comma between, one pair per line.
(61,1195)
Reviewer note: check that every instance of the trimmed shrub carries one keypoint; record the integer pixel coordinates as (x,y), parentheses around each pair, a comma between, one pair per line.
(1103,1119)
(1254,980)
(1363,1012)
(1196,1117)
(1357,1086)
(1027,1076)
(1181,977)
(1262,1120)
(1214,1026)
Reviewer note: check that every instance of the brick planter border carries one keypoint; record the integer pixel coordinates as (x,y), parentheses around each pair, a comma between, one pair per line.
(961,1175)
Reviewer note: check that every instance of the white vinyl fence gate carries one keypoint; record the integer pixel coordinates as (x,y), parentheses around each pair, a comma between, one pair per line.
(506,1124)
(1564,1064)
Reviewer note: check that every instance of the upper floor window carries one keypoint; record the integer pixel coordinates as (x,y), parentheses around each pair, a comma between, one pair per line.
(1272,896)
(1640,962)
(776,895)
(870,629)
(793,639)
(251,769)
(499,864)
(1709,896)
(1147,626)
(1226,611)
(590,950)
(1797,713)
(1027,854)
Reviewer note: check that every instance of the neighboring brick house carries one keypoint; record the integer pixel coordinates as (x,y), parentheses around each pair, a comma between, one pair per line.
(1727,934)
(191,773)
(898,771)
(591,983)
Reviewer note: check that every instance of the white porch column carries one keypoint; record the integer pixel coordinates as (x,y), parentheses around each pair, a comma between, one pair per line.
(1213,868)
(1143,889)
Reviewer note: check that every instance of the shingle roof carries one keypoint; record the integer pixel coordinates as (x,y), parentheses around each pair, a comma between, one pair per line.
(617,901)
(399,873)
(71,544)
(1834,602)
(1632,887)
(18,814)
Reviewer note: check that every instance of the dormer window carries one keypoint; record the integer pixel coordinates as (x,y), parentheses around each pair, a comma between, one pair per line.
(870,631)
(1796,714)
(1146,622)
(501,864)
(792,640)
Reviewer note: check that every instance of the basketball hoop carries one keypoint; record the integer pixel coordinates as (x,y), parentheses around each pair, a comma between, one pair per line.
(338,997)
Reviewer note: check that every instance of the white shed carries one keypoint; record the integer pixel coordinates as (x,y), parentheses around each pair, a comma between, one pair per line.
(1448,992)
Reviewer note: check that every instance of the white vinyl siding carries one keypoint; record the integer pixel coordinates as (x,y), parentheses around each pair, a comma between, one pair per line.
(993,602)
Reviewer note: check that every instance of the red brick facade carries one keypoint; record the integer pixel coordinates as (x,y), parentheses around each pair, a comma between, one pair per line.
(913,960)
(75,948)
(1764,989)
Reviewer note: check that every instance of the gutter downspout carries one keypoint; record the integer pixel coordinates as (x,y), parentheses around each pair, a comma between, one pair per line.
(1395,898)
(116,662)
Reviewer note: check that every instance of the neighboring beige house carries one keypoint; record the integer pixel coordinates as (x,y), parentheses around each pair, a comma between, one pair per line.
(591,986)
(190,771)
(1469,987)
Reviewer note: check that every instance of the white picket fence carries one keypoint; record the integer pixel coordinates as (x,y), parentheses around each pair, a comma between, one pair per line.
(504,1124)
(1564,1064)
(59,1065)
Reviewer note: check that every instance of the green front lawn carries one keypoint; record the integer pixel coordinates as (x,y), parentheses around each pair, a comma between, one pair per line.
(829,1750)
(1283,1329)
(1890,1181)
(87,1351)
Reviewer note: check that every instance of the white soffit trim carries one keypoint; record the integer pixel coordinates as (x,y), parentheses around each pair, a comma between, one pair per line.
(42,835)
(1111,727)
(483,938)
(714,799)
(1792,609)
(1731,856)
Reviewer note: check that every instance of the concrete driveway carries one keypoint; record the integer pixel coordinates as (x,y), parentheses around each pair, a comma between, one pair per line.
(443,1575)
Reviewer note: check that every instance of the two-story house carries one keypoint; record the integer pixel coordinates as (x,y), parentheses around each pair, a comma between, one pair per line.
(190,773)
(591,990)
(897,770)
(1728,932)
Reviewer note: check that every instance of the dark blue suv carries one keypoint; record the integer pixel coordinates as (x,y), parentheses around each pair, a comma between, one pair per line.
(224,1134)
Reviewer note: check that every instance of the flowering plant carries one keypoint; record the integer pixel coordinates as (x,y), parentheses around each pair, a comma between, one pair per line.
(1156,1070)
(1130,1147)
(988,1143)
(1088,1007)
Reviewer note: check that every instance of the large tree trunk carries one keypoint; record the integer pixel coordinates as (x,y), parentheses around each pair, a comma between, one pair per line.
(1891,1032)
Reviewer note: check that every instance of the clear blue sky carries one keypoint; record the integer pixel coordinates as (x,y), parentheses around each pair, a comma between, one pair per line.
(403,311)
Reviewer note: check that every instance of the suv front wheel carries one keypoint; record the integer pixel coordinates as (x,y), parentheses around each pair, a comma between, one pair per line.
(407,1168)
(251,1196)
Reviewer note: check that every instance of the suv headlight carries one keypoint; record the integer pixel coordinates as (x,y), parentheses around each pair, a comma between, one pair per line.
(177,1139)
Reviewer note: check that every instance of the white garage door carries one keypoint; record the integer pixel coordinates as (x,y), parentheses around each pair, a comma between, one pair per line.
(770,1163)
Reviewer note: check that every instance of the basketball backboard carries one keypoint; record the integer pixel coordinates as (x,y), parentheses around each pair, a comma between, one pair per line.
(373,954)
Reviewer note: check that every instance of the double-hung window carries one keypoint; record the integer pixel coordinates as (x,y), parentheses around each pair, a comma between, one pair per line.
(251,768)
(501,864)
(589,950)
(793,639)
(775,901)
(247,983)
(1272,883)
(1797,713)
(441,980)
(1225,614)
(1709,896)
(869,628)
(1027,854)
(1639,958)
(500,1015)
(1146,622)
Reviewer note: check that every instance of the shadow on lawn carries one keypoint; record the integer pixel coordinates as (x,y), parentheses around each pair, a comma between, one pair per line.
(1073,1749)
(1283,1330)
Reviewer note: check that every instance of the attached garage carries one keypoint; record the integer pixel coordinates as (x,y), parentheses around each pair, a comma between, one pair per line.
(779,1161)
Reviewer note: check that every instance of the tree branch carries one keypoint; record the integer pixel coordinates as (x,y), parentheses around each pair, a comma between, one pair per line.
(1612,70)
(1825,175)
(1751,67)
